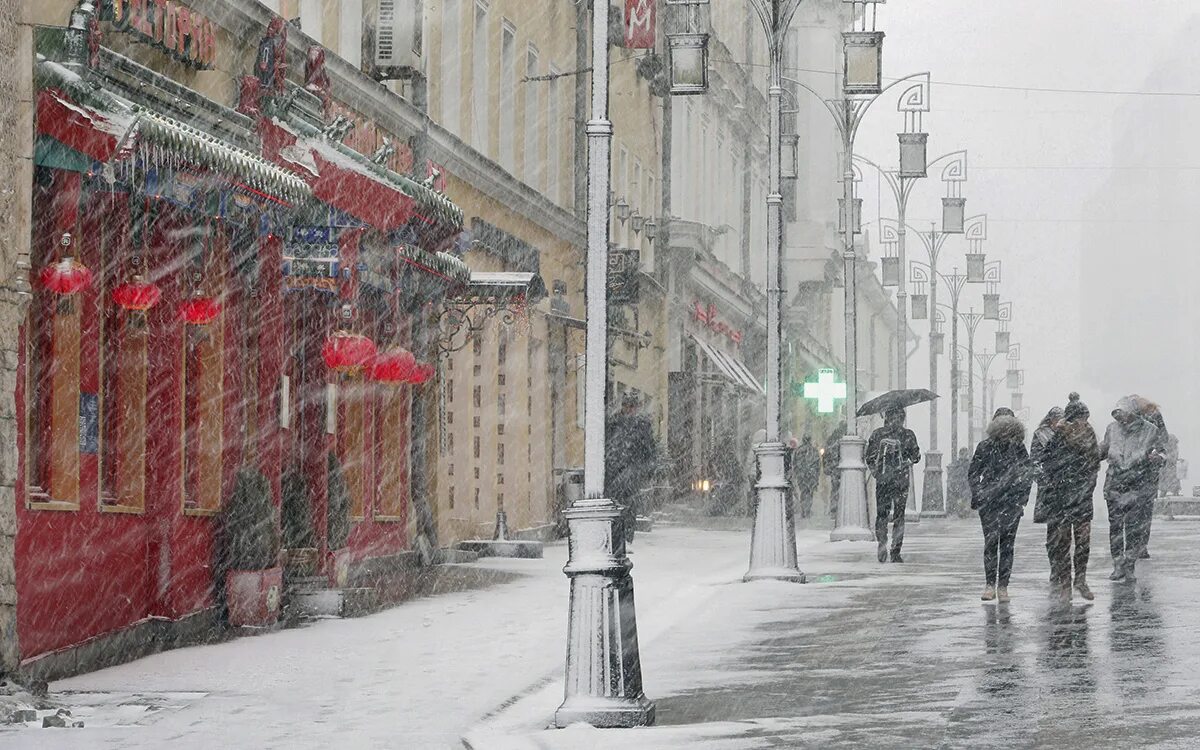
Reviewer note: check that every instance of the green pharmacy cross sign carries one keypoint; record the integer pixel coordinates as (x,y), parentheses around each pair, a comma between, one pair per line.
(825,391)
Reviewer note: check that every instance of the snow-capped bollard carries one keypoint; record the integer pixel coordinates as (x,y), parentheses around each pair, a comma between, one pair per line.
(773,541)
(604,670)
(852,503)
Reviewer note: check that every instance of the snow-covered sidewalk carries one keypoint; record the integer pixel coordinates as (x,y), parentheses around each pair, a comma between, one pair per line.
(416,676)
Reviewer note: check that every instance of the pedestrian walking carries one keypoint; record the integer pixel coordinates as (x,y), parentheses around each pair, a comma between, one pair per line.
(1169,484)
(1150,411)
(1066,464)
(630,455)
(830,460)
(1000,478)
(1131,446)
(891,452)
(806,468)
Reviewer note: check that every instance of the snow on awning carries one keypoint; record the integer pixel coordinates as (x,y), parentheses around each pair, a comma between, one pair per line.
(506,285)
(119,132)
(731,367)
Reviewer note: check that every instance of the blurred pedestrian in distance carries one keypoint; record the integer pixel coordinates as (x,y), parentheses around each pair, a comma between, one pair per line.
(891,452)
(1132,447)
(830,460)
(806,466)
(1169,484)
(629,457)
(1000,478)
(1066,466)
(958,489)
(1151,412)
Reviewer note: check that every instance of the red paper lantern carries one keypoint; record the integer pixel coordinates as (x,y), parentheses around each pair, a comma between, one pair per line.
(200,310)
(346,352)
(421,373)
(136,295)
(395,366)
(67,276)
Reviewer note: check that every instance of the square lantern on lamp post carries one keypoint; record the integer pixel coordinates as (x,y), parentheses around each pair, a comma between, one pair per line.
(912,154)
(954,218)
(975,268)
(789,156)
(937,342)
(890,271)
(862,63)
(920,307)
(1018,400)
(689,63)
(857,217)
(1012,379)
(1003,341)
(991,307)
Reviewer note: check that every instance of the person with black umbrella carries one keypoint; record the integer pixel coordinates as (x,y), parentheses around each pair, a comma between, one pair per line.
(891,452)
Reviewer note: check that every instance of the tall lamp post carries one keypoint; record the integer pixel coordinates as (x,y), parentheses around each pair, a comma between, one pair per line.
(971,320)
(773,542)
(862,86)
(984,359)
(603,671)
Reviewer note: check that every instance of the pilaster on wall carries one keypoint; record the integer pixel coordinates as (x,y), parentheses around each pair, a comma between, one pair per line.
(16,180)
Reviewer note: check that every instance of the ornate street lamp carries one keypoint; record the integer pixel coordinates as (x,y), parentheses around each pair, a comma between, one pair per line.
(975,263)
(1003,340)
(937,342)
(687,43)
(920,306)
(953,215)
(622,210)
(862,63)
(913,154)
(991,306)
(1012,379)
(1018,400)
(857,217)
(890,270)
(637,222)
(789,156)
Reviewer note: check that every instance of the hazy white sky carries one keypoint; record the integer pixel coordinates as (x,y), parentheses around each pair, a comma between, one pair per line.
(1036,157)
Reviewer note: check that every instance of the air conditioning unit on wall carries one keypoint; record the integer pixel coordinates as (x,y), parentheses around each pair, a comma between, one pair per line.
(399,45)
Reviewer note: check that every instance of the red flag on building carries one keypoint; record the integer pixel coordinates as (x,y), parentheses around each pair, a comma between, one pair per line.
(639,23)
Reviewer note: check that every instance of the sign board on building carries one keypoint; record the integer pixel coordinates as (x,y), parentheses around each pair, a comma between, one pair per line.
(623,265)
(310,258)
(639,23)
(708,317)
(181,32)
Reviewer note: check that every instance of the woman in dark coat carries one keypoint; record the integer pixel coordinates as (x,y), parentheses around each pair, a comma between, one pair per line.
(1067,467)
(1000,478)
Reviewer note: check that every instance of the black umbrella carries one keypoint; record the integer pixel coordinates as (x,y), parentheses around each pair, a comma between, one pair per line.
(902,398)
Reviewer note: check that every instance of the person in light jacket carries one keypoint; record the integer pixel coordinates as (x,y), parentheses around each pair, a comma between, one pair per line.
(1000,478)
(1132,446)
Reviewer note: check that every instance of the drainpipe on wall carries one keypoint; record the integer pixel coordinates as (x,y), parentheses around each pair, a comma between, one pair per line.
(582,84)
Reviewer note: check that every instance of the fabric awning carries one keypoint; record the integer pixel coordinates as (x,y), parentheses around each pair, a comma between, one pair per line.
(731,367)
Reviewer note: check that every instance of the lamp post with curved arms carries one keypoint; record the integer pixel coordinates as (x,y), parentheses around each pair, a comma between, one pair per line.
(901,186)
(848,113)
(984,359)
(971,320)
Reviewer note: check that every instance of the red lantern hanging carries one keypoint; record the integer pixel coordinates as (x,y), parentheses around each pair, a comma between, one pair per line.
(200,310)
(395,366)
(137,294)
(346,352)
(67,276)
(421,373)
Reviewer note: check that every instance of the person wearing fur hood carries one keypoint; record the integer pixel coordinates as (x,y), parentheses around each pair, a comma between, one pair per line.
(1000,478)
(1133,446)
(1067,468)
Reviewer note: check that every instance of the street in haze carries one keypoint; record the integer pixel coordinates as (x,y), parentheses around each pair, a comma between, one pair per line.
(866,655)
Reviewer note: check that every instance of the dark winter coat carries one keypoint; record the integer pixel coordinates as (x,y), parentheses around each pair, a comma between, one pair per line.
(806,466)
(1001,473)
(1067,470)
(891,452)
(629,455)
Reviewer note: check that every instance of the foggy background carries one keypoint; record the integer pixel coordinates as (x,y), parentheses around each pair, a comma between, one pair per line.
(1088,187)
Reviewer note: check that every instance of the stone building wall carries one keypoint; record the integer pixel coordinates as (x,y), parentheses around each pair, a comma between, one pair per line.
(16,177)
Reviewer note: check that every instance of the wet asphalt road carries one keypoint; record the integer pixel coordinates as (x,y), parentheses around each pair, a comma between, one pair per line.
(906,656)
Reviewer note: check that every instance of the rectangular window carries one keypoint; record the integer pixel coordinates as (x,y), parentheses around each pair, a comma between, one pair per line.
(450,71)
(350,31)
(533,117)
(451,497)
(500,453)
(476,498)
(508,87)
(476,446)
(392,472)
(555,185)
(203,380)
(480,68)
(500,404)
(52,370)
(477,395)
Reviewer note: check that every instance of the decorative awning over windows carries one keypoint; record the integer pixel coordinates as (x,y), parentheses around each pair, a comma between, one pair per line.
(351,182)
(730,367)
(102,127)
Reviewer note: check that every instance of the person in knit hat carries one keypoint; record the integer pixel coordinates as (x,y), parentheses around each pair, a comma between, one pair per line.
(1068,466)
(1132,447)
(1000,477)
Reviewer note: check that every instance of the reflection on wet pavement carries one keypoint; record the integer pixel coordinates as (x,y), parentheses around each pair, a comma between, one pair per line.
(907,656)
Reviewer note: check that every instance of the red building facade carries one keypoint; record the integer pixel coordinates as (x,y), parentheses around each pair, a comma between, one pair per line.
(195,279)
